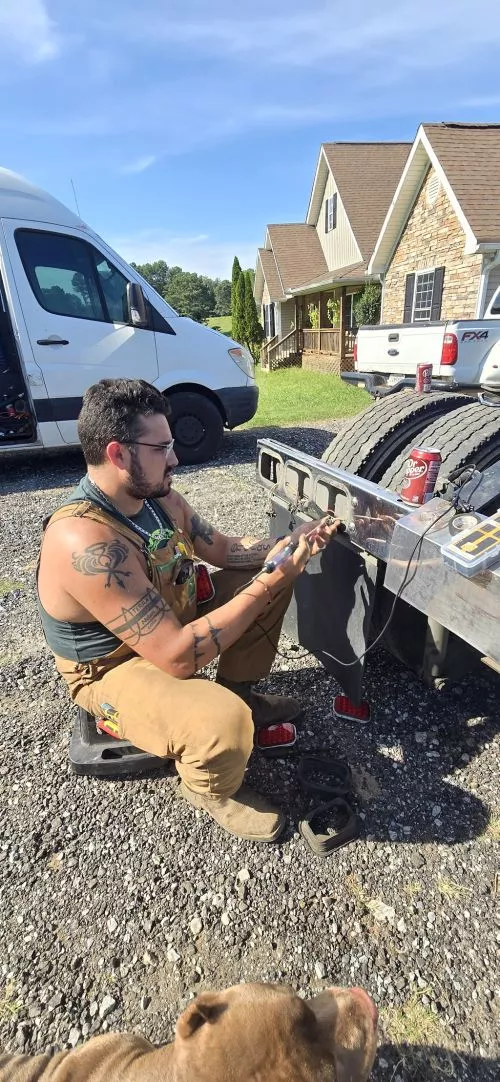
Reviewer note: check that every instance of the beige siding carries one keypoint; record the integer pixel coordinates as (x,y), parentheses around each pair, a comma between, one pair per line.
(433,237)
(493,285)
(287,317)
(339,246)
(265,300)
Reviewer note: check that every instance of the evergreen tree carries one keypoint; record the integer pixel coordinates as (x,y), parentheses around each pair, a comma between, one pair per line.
(237,313)
(253,330)
(238,322)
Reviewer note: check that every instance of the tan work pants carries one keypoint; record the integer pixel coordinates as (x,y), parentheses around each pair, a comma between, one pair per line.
(206,728)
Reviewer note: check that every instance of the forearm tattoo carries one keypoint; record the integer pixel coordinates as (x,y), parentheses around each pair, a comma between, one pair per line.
(201,528)
(214,634)
(198,641)
(103,558)
(140,619)
(201,642)
(248,552)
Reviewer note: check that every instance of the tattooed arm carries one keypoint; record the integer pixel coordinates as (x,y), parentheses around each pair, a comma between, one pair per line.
(102,577)
(219,549)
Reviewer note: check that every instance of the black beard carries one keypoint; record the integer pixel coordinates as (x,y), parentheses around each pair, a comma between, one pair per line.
(140,489)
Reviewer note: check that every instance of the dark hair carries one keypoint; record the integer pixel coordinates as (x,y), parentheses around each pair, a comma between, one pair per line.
(112,410)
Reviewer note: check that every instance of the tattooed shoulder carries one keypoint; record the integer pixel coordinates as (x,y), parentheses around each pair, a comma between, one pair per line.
(103,558)
(202,529)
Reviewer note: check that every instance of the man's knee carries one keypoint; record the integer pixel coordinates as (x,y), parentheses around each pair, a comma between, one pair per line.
(232,728)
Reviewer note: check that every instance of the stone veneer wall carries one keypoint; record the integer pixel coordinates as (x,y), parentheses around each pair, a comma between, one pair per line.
(433,237)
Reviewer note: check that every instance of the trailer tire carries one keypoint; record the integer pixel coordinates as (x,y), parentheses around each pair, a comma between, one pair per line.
(369,442)
(197,427)
(472,436)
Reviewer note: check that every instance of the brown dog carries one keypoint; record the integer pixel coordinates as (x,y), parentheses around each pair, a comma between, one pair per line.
(248,1033)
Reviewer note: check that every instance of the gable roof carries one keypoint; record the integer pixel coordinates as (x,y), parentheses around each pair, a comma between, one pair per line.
(470,157)
(366,175)
(354,272)
(466,158)
(298,253)
(271,273)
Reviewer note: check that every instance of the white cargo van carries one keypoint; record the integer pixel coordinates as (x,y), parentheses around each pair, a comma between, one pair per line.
(73,312)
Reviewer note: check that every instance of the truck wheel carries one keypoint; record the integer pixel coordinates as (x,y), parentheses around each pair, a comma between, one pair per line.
(369,442)
(470,436)
(197,427)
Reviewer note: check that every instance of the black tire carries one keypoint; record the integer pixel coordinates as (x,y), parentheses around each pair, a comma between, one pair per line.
(374,438)
(470,436)
(197,427)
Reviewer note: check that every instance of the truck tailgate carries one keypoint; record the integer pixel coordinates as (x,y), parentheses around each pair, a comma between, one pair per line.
(396,350)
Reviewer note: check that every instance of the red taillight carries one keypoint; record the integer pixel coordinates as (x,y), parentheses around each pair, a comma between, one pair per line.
(449,352)
(355,352)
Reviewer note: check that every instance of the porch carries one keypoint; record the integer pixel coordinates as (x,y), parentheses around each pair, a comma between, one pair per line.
(322,334)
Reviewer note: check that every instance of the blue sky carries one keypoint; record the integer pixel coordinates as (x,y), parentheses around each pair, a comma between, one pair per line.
(187,125)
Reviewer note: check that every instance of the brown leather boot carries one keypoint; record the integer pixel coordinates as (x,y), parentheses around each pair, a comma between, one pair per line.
(266,709)
(246,814)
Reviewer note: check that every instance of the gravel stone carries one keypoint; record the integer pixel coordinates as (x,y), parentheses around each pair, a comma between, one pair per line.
(108,1005)
(70,846)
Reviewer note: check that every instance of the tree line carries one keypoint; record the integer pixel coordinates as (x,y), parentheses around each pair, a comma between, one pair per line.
(198,296)
(194,295)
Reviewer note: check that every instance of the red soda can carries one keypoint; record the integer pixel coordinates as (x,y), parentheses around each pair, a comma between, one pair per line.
(422,469)
(423,378)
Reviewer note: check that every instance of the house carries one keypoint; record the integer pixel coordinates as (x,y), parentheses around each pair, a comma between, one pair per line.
(438,252)
(308,274)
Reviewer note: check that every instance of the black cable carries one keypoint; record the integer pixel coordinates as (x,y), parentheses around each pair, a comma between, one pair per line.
(404,584)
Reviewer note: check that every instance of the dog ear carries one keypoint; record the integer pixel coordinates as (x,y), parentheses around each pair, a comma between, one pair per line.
(346,1032)
(207,1007)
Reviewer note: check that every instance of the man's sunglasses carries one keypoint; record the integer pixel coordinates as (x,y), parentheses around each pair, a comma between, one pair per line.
(166,447)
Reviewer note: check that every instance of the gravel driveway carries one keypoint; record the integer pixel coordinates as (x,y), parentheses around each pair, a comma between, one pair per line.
(118,902)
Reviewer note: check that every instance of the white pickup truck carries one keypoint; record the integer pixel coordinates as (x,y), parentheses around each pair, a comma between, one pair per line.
(465,353)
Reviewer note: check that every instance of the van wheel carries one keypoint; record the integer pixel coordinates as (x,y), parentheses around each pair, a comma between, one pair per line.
(197,427)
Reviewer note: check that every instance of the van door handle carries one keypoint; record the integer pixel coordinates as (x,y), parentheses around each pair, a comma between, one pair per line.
(393,352)
(54,340)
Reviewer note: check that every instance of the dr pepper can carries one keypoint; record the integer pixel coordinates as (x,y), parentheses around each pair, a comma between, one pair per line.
(422,469)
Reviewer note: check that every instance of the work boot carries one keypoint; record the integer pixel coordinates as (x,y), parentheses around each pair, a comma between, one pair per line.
(246,814)
(266,709)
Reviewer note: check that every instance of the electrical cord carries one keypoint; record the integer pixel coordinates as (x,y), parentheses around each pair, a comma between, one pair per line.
(456,503)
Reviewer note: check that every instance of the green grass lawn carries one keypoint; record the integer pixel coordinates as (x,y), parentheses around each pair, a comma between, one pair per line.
(221,323)
(292,395)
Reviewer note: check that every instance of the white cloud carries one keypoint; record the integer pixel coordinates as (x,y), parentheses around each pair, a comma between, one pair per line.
(200,253)
(27,30)
(398,33)
(141,164)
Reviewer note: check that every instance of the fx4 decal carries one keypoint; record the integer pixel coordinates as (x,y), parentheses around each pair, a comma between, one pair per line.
(474,336)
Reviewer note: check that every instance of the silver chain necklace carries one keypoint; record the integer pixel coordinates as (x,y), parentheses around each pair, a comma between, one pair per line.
(135,525)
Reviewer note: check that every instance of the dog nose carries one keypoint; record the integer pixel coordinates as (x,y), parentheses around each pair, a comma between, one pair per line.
(367,1002)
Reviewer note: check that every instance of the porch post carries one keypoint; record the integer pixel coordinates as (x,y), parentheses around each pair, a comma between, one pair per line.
(342,322)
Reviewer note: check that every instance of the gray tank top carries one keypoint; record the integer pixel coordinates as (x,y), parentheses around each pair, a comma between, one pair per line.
(83,642)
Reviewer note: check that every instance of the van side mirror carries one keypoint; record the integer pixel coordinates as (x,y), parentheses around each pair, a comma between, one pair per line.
(136,303)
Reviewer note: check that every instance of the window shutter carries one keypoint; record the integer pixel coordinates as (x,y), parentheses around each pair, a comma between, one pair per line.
(326,215)
(334,211)
(409,293)
(437,293)
(272,322)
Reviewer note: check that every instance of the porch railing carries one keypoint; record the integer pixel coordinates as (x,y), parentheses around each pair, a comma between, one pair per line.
(282,350)
(264,351)
(323,340)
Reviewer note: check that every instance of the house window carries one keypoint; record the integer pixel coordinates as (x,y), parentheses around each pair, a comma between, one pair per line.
(422,300)
(423,295)
(269,321)
(330,213)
